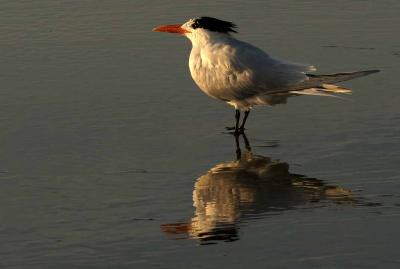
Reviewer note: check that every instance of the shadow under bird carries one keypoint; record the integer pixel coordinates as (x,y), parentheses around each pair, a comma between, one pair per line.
(243,75)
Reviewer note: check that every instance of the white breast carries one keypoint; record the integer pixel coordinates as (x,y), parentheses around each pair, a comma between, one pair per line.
(217,72)
(212,73)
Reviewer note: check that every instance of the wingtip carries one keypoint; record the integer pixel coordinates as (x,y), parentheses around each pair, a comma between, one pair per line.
(372,71)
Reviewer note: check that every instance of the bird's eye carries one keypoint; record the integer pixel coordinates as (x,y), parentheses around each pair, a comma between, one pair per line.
(195,25)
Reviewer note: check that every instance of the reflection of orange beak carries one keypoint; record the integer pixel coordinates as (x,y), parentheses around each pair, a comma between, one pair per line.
(173,28)
(176,228)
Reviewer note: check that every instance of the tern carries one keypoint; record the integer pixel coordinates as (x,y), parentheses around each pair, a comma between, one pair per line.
(245,76)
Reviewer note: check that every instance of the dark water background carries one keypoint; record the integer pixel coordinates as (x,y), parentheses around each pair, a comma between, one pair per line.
(109,152)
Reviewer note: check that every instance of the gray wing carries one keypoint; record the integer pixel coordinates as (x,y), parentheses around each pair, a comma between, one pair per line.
(266,73)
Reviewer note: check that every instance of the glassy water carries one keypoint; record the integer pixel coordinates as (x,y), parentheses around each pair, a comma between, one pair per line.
(112,158)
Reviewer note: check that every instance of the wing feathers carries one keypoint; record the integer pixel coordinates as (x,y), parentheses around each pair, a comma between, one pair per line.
(319,80)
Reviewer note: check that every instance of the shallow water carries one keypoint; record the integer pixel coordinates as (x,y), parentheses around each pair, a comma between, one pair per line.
(112,158)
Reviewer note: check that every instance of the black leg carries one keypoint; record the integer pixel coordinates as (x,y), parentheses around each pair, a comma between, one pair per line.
(237,117)
(237,120)
(246,114)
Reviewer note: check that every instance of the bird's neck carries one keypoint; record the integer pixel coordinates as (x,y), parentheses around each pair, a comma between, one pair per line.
(205,38)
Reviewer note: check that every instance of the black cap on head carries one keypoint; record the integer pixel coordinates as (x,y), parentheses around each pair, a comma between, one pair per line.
(213,24)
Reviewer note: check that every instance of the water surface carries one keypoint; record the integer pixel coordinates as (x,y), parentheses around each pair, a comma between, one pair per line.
(112,158)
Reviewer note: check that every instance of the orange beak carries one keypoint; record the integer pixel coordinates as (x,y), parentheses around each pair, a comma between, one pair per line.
(173,28)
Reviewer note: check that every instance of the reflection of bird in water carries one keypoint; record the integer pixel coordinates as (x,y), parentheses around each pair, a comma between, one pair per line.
(245,188)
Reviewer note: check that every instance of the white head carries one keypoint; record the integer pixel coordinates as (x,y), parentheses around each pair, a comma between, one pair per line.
(199,28)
